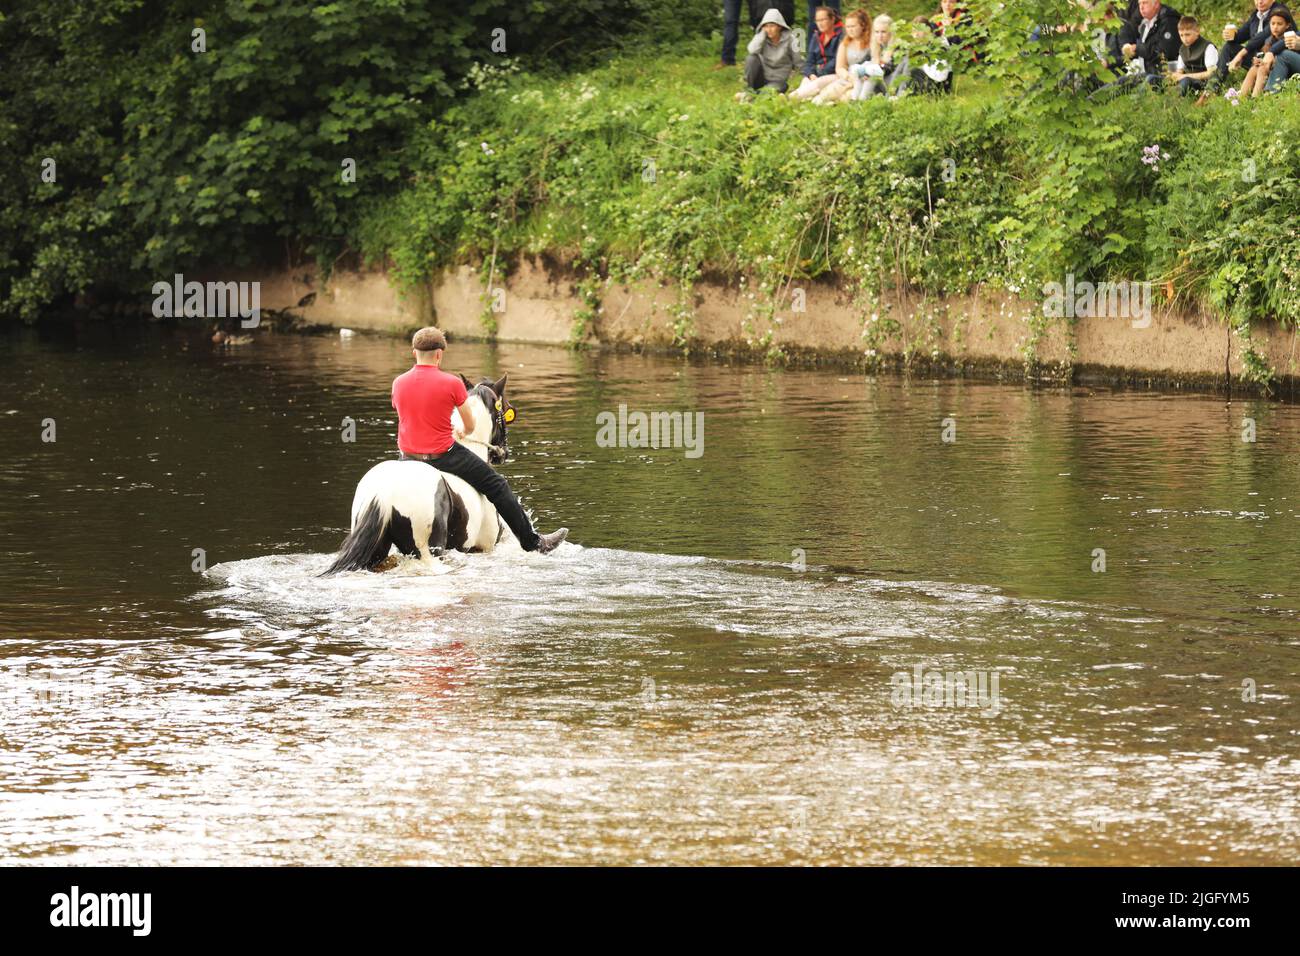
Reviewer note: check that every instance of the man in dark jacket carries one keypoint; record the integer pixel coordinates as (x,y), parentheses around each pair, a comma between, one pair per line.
(1150,37)
(1235,40)
(1147,40)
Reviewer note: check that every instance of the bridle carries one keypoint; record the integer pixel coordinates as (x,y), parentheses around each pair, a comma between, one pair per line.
(499,410)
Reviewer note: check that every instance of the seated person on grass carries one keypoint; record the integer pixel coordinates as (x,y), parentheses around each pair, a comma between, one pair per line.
(823,47)
(1111,50)
(1106,47)
(731,22)
(1235,37)
(878,73)
(954,24)
(1286,64)
(1261,52)
(925,71)
(773,57)
(1149,38)
(854,49)
(1147,41)
(1198,59)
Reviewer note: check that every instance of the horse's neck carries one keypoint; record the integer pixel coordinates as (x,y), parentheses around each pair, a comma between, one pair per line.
(477,446)
(477,440)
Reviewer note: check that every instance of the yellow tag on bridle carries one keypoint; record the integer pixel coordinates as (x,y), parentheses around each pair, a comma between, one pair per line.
(509,415)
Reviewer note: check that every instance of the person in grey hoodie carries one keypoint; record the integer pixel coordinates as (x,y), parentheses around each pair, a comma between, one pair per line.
(774,55)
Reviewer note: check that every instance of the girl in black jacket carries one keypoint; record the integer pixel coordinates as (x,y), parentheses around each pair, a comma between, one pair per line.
(1263,49)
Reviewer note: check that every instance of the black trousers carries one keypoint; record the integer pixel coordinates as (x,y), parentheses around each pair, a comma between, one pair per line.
(463,463)
(1226,55)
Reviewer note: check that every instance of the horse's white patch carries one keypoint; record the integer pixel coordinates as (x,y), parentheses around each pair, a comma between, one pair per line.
(408,486)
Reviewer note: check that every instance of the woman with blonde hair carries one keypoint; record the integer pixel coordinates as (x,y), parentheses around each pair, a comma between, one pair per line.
(878,73)
(855,48)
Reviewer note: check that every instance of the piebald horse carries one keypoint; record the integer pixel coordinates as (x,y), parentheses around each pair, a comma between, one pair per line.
(423,511)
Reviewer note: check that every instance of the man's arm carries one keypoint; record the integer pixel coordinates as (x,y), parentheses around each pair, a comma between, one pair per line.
(1257,42)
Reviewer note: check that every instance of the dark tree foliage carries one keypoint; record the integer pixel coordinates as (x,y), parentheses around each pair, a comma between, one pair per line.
(165,157)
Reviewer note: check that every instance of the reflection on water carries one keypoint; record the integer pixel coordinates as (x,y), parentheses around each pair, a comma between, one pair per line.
(704,676)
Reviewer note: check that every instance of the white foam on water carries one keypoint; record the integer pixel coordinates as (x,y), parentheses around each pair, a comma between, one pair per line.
(603,592)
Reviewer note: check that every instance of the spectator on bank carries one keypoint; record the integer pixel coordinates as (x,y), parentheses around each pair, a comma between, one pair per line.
(1198,59)
(1262,51)
(922,71)
(1106,48)
(730,32)
(773,56)
(954,24)
(878,74)
(1082,25)
(855,48)
(731,22)
(1286,64)
(1235,37)
(1150,39)
(823,48)
(1111,51)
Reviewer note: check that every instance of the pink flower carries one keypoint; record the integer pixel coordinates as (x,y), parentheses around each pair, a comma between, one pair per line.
(1152,156)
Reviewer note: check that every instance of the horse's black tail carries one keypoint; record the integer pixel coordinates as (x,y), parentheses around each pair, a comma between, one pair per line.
(366,544)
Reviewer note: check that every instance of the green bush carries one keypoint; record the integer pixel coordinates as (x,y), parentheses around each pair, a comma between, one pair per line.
(170,159)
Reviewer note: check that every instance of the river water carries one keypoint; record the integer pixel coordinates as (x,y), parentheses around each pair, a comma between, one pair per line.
(717,670)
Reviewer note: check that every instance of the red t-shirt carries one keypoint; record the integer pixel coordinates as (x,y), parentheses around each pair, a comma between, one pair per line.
(424,398)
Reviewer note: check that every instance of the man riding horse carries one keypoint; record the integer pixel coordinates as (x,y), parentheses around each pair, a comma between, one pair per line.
(424,397)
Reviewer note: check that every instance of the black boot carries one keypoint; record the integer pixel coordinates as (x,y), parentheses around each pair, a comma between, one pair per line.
(546,543)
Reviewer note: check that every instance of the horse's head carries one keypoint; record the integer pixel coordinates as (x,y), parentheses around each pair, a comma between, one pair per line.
(500,413)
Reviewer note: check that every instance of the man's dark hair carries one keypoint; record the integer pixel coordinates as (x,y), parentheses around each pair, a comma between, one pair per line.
(428,339)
